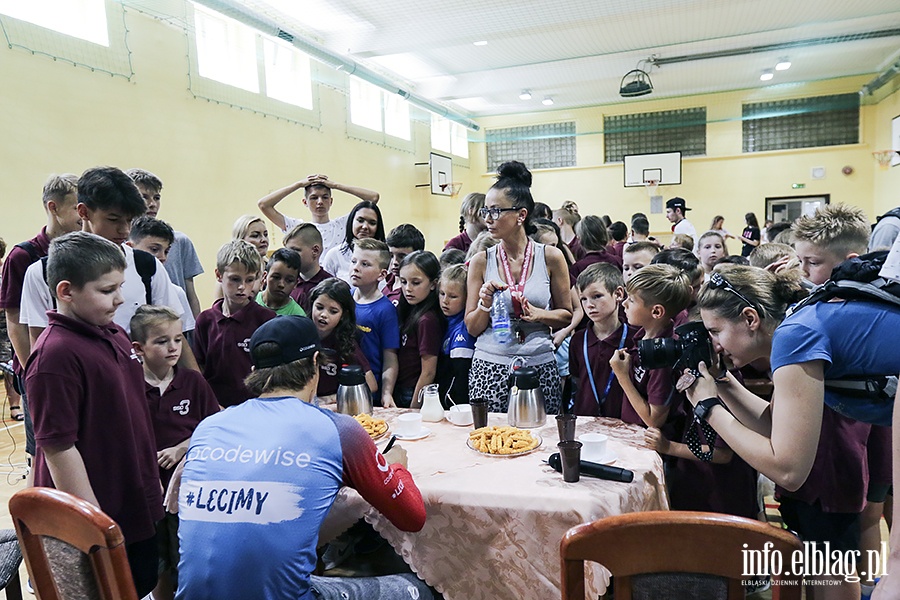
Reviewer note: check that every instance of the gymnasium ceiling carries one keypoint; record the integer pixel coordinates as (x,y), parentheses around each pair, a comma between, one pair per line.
(577,51)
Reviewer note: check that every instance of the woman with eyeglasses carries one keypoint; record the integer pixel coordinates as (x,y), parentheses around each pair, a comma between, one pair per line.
(534,279)
(809,353)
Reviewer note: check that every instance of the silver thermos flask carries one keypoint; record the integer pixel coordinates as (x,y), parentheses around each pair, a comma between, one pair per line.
(353,396)
(526,401)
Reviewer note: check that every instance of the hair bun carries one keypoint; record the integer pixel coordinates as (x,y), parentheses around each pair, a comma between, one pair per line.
(515,170)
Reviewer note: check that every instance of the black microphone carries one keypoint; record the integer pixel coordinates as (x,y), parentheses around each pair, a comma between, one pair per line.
(595,470)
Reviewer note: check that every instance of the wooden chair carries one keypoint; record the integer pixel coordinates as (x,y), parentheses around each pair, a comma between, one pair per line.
(72,548)
(669,555)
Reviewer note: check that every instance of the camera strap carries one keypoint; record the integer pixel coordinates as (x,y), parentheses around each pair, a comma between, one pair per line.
(695,444)
(590,372)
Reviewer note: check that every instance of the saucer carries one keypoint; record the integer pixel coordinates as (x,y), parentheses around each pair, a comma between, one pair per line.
(424,432)
(607,459)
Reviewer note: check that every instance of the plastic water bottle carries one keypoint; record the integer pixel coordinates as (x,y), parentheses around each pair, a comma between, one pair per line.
(500,319)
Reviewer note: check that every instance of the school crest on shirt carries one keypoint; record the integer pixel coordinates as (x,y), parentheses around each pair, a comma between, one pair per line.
(403,339)
(639,373)
(245,345)
(183,407)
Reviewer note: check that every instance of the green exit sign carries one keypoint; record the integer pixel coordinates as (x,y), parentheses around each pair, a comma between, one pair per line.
(798,186)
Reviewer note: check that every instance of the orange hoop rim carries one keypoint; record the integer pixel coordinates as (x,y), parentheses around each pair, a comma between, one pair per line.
(884,157)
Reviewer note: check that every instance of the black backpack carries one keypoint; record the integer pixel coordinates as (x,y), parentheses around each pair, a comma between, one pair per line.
(859,279)
(891,213)
(144,264)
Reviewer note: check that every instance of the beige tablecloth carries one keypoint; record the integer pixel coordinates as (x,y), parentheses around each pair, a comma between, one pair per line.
(494,524)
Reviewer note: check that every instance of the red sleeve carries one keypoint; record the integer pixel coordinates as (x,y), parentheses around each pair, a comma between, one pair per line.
(389,488)
(54,398)
(201,331)
(431,335)
(13,276)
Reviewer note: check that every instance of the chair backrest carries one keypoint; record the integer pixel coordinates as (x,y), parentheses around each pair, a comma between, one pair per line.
(675,554)
(71,547)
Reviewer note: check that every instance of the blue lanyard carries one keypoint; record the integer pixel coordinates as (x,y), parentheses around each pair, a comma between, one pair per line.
(590,371)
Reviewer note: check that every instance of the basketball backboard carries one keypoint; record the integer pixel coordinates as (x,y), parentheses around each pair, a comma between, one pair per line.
(663,167)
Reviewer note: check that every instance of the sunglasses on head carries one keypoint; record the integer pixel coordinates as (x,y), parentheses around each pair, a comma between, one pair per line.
(718,282)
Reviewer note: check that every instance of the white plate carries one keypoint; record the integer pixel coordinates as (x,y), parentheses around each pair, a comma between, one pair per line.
(539,439)
(424,432)
(609,459)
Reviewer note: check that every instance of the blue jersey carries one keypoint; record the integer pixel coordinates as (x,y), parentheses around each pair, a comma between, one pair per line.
(248,486)
(854,338)
(379,330)
(457,341)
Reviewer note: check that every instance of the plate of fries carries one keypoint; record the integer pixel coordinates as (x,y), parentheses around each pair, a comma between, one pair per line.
(503,441)
(376,428)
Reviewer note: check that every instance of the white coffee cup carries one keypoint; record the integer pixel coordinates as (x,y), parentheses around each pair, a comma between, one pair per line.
(593,446)
(408,424)
(460,414)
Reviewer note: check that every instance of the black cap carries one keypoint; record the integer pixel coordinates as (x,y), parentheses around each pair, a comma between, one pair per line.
(677,202)
(296,337)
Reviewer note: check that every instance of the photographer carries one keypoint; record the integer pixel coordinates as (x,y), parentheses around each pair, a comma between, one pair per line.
(744,310)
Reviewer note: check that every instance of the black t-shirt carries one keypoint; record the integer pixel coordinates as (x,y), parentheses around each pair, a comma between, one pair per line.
(750,233)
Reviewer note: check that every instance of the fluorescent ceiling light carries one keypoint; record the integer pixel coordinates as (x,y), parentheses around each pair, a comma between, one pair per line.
(525,95)
(480,43)
(766,75)
(783,64)
(547,101)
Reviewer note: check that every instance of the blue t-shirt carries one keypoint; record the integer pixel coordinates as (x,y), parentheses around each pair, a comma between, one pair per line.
(855,338)
(457,341)
(379,328)
(259,475)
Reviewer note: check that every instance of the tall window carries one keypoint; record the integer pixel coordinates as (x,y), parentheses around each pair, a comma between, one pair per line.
(373,108)
(801,123)
(232,53)
(83,19)
(449,136)
(681,130)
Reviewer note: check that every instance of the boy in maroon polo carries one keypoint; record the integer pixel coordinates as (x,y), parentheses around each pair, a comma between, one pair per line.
(306,240)
(223,332)
(86,388)
(402,241)
(656,294)
(601,290)
(178,399)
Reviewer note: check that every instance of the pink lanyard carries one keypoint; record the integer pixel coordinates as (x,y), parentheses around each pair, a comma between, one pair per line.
(520,287)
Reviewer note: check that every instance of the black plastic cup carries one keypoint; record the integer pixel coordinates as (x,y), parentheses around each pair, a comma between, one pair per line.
(566,425)
(570,456)
(479,412)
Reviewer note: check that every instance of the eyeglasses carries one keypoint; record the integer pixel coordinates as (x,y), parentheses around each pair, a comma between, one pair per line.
(493,212)
(717,281)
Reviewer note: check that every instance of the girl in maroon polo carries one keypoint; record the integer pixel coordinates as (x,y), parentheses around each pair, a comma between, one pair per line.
(334,314)
(470,222)
(421,326)
(594,239)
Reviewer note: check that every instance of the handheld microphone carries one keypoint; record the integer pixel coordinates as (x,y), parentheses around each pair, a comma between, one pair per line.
(595,470)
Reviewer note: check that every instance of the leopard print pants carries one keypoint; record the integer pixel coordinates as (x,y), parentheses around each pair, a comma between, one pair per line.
(491,380)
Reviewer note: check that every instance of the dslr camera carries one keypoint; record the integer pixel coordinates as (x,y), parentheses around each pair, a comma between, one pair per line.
(692,347)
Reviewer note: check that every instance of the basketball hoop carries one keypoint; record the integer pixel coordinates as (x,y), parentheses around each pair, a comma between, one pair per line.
(455,187)
(884,157)
(652,186)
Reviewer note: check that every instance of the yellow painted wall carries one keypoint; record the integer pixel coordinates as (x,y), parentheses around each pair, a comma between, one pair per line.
(887,181)
(215,161)
(724,182)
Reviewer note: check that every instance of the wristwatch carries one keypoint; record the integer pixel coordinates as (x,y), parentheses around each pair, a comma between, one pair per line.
(701,410)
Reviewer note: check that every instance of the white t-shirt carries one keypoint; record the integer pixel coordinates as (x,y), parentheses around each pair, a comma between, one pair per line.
(684,226)
(333,233)
(36,298)
(337,262)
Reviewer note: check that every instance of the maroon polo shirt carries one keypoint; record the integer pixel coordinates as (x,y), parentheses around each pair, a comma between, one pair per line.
(331,365)
(13,276)
(598,353)
(86,387)
(577,249)
(424,339)
(655,385)
(460,242)
(222,346)
(618,248)
(839,478)
(176,413)
(391,294)
(592,258)
(301,293)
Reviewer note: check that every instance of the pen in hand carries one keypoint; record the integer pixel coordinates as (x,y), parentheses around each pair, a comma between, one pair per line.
(390,444)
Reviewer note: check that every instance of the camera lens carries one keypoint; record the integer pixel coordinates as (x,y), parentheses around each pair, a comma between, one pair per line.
(659,352)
